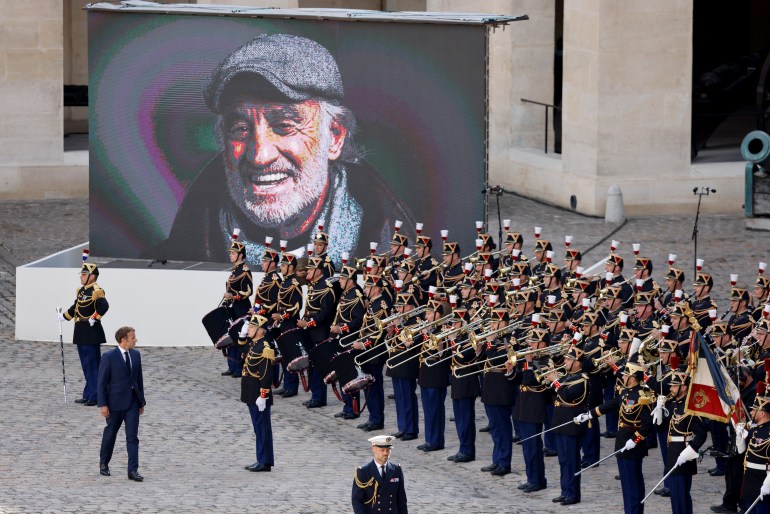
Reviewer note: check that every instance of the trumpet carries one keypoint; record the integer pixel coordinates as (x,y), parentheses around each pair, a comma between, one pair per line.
(541,374)
(601,360)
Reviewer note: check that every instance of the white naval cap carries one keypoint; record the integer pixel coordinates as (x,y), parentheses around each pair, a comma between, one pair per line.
(382,441)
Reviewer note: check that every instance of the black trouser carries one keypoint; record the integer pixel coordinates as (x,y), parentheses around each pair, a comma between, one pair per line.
(733,481)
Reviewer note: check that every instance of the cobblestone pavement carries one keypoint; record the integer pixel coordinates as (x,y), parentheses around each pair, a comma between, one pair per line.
(196,436)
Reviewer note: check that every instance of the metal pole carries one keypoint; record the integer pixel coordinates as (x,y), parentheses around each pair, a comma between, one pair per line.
(546,129)
(61,346)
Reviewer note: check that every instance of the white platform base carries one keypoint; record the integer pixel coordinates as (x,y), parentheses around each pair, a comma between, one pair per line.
(164,305)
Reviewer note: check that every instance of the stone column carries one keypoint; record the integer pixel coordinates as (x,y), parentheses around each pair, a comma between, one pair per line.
(627,99)
(31,62)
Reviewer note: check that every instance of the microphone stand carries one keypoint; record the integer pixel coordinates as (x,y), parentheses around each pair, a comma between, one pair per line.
(704,191)
(498,192)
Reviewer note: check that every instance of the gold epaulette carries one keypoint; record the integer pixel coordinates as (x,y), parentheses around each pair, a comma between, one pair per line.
(646,397)
(268,353)
(98,292)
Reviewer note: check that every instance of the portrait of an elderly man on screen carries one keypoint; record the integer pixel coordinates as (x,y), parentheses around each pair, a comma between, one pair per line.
(288,160)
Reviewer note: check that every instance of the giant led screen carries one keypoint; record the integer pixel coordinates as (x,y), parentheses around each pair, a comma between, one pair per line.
(201,124)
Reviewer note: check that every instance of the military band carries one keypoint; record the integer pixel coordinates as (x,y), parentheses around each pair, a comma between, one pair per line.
(549,350)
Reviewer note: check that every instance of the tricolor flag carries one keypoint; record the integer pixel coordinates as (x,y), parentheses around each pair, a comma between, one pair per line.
(712,392)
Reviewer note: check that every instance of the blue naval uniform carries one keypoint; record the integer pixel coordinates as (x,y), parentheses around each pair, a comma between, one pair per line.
(378,308)
(465,390)
(374,492)
(498,397)
(530,410)
(433,381)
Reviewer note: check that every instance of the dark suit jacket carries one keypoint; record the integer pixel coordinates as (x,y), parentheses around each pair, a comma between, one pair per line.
(391,495)
(115,387)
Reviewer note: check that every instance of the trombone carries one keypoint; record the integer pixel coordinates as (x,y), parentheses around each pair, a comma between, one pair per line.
(602,359)
(380,323)
(540,374)
(436,339)
(514,356)
(429,344)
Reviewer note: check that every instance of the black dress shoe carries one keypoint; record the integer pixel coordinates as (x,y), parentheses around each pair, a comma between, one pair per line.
(261,467)
(461,457)
(91,403)
(372,428)
(349,415)
(226,373)
(313,404)
(570,501)
(409,437)
(339,415)
(398,435)
(558,499)
(484,429)
(525,485)
(533,488)
(363,426)
(452,457)
(547,452)
(723,509)
(391,397)
(663,491)
(617,477)
(81,400)
(610,435)
(252,466)
(236,375)
(135,476)
(288,394)
(280,390)
(487,469)
(516,439)
(306,402)
(717,473)
(422,446)
(104,470)
(501,471)
(432,448)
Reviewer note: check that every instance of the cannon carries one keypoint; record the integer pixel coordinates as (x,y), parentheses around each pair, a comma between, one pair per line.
(755,149)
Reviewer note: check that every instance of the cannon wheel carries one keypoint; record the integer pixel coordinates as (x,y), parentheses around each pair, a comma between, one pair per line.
(763,97)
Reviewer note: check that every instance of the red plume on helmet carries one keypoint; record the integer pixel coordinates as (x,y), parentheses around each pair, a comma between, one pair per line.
(674,362)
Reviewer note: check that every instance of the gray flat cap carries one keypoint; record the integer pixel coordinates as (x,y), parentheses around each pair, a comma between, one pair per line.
(298,68)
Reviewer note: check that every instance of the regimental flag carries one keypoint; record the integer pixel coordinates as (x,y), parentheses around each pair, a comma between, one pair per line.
(712,392)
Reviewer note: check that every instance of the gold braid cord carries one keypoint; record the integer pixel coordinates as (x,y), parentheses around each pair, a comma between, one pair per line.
(364,485)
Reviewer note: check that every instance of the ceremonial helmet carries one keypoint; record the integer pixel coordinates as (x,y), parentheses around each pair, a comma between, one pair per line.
(643,263)
(235,245)
(88,268)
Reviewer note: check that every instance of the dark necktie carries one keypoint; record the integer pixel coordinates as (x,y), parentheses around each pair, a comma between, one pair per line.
(128,362)
(382,469)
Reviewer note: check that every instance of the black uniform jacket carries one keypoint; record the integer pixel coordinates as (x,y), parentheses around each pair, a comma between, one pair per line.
(683,430)
(533,395)
(257,371)
(374,493)
(571,400)
(90,302)
(635,419)
(402,360)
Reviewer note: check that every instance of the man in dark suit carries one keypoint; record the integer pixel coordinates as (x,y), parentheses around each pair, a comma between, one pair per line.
(379,485)
(120,395)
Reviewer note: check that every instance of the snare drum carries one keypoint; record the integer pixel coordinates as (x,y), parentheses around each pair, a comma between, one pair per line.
(293,351)
(217,324)
(349,375)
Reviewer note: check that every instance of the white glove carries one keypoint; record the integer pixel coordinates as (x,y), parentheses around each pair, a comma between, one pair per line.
(60,315)
(765,489)
(582,418)
(91,321)
(261,403)
(244,331)
(740,437)
(630,445)
(687,454)
(657,412)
